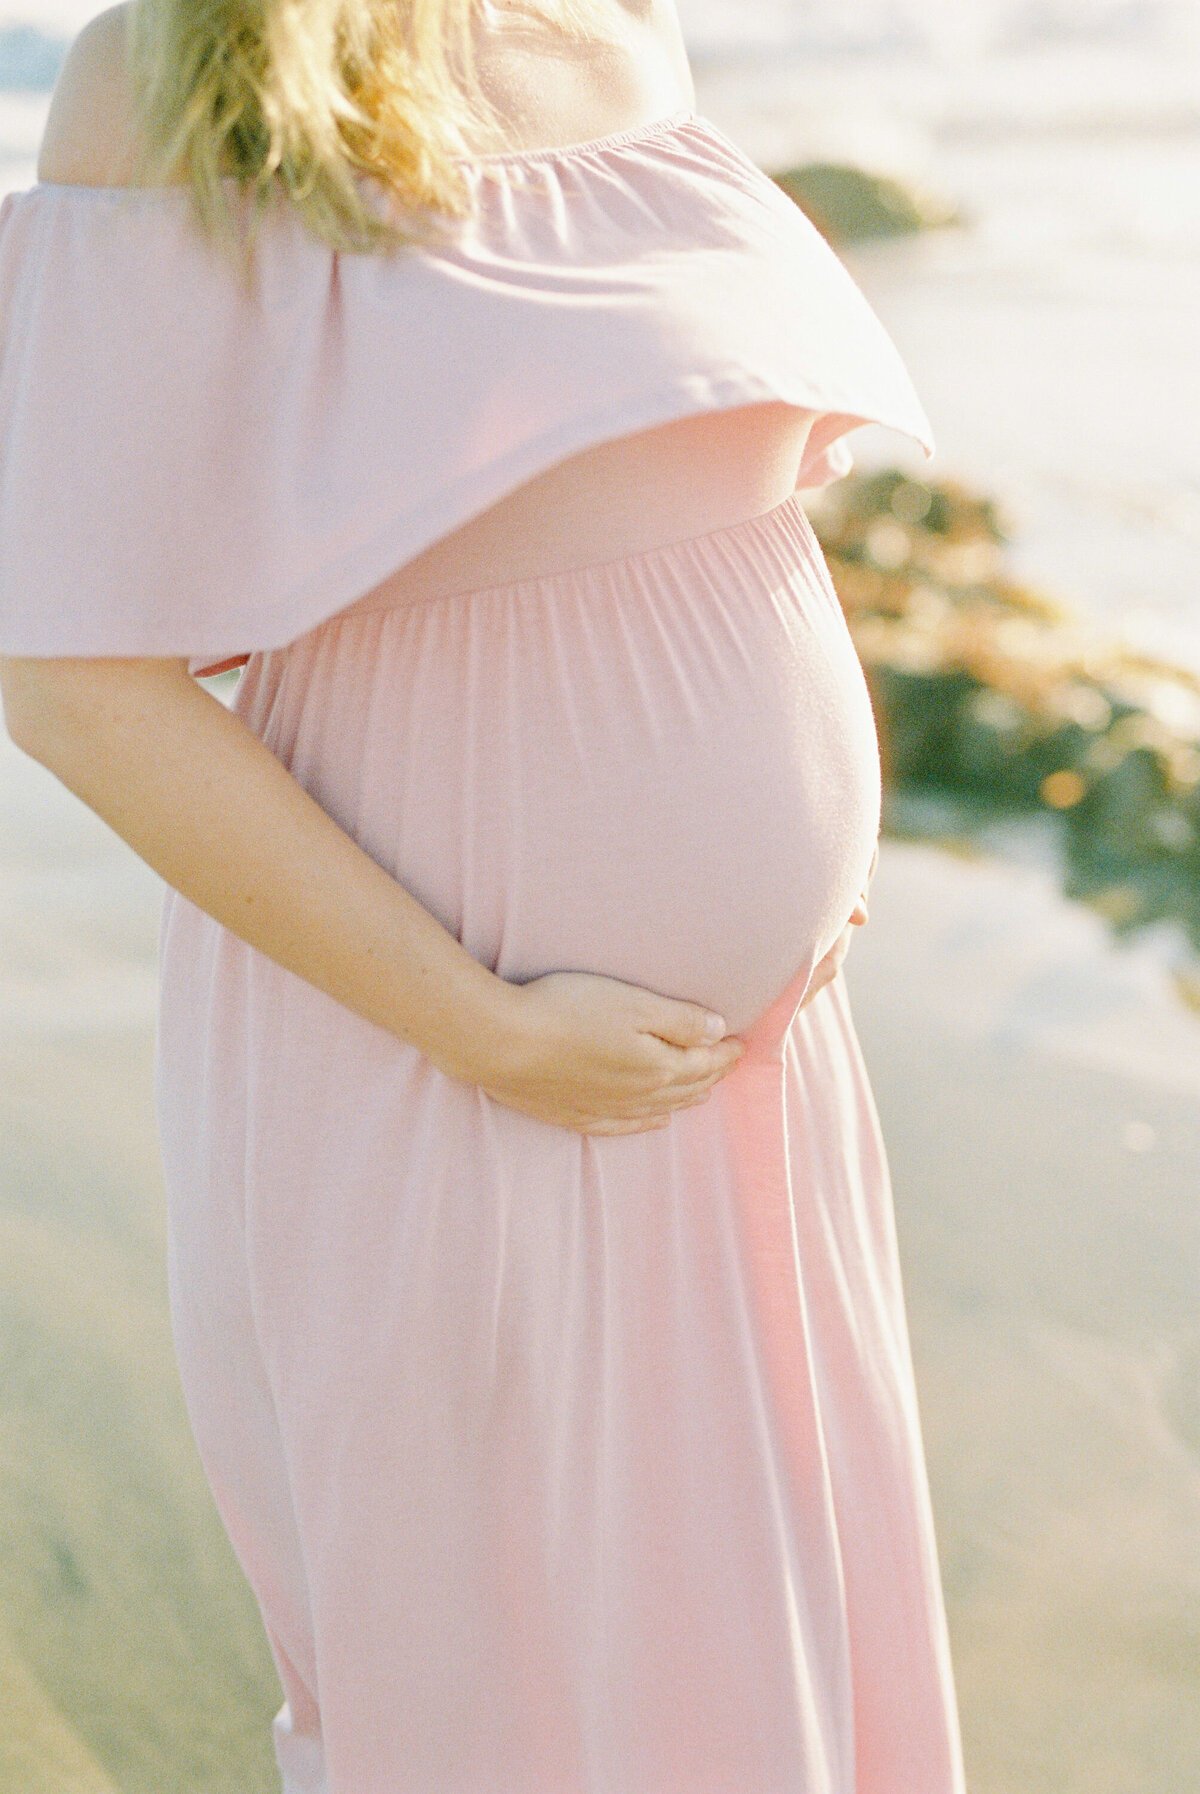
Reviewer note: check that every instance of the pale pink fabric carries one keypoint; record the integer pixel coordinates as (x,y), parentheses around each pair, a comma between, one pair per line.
(188,467)
(567,1465)
(558,1465)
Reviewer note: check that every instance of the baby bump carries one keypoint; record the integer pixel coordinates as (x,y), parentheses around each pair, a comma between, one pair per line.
(663,769)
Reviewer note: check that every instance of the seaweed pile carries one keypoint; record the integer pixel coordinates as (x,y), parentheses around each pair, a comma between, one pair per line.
(993,699)
(852,205)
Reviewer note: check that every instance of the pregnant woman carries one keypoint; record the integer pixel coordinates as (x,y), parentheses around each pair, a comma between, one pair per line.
(532,1261)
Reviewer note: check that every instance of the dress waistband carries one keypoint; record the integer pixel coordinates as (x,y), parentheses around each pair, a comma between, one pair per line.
(788,516)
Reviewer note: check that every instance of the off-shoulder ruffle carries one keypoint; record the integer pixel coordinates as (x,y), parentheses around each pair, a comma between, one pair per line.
(188,466)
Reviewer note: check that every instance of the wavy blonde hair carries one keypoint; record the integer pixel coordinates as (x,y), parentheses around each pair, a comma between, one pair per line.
(308,96)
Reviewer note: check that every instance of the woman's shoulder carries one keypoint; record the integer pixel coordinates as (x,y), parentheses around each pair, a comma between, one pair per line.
(90,137)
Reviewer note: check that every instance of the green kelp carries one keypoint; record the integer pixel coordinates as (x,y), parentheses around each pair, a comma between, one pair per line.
(991,694)
(850,205)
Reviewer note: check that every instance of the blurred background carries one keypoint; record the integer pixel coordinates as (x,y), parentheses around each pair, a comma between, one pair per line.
(1016,186)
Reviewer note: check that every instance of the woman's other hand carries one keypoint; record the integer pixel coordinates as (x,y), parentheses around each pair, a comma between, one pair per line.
(603,1057)
(828,968)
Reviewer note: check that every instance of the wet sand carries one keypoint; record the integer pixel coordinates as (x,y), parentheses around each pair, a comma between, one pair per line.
(131,1656)
(1039,1093)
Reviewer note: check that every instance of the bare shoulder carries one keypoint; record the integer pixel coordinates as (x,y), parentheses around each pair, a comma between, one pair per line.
(89,136)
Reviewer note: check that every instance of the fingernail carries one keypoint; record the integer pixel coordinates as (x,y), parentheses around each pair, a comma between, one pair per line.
(714,1028)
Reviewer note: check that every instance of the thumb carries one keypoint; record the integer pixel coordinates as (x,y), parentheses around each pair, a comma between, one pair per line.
(685,1024)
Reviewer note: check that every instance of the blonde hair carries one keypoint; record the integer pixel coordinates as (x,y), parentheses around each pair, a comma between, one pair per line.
(308,96)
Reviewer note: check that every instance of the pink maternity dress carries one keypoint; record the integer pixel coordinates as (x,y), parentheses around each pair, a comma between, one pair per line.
(558,1464)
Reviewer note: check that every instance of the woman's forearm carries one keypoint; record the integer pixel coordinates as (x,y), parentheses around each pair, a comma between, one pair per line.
(205,804)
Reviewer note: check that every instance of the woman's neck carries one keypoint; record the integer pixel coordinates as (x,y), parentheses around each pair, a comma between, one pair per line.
(551,90)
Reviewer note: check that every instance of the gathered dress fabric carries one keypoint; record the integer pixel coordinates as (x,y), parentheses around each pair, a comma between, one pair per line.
(558,1464)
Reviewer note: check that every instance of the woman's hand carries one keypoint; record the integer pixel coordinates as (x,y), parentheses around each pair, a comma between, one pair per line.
(828,968)
(603,1057)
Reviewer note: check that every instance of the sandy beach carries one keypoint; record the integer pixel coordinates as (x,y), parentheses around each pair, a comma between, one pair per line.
(1038,1088)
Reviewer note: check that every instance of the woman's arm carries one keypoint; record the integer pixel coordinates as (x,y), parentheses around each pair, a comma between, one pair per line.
(211,809)
(203,802)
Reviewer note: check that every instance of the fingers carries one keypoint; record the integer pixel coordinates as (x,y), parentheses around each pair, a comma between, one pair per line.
(859,913)
(827,969)
(679,1096)
(683,1024)
(702,1065)
(685,1093)
(677,1092)
(627,1127)
(648,1123)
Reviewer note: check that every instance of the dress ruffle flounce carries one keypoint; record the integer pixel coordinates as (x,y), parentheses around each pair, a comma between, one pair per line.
(191,467)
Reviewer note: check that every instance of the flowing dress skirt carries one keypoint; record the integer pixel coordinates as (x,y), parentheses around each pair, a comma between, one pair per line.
(564,1464)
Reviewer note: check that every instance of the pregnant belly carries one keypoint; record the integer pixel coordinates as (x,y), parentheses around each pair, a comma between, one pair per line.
(663,769)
